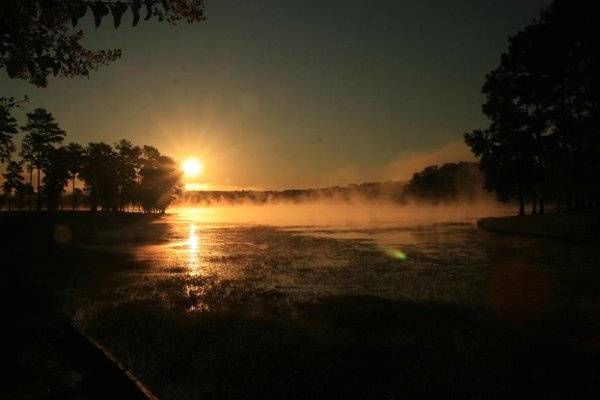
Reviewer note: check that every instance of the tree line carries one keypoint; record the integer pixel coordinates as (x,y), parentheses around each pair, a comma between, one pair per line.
(450,182)
(543,102)
(447,183)
(115,178)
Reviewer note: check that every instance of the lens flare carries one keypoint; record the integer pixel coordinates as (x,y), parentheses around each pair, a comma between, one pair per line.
(396,254)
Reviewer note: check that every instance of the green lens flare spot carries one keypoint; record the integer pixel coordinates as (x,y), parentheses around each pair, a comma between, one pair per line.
(396,254)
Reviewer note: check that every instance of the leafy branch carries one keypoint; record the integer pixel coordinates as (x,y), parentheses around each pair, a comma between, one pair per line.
(38,39)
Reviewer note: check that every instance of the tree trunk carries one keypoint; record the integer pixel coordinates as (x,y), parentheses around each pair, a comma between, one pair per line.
(73,194)
(521,202)
(533,204)
(93,202)
(39,198)
(9,198)
(542,211)
(31,186)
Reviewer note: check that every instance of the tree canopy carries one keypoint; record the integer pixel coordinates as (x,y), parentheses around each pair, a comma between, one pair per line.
(13,180)
(39,38)
(8,128)
(446,183)
(115,178)
(543,103)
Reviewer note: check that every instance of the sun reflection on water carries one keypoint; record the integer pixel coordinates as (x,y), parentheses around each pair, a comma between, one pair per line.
(193,245)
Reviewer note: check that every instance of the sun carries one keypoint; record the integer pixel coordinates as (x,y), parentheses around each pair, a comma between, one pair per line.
(191,167)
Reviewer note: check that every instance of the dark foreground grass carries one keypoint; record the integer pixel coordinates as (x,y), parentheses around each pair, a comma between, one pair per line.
(356,347)
(574,227)
(347,347)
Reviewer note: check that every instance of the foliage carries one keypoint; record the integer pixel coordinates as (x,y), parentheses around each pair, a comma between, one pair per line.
(543,102)
(129,176)
(56,169)
(13,180)
(98,174)
(446,183)
(129,163)
(74,155)
(115,177)
(42,134)
(159,184)
(8,127)
(38,37)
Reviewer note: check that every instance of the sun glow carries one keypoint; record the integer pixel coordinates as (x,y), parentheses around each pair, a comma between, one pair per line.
(191,167)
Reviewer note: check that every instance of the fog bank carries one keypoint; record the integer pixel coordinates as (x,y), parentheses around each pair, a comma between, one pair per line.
(340,213)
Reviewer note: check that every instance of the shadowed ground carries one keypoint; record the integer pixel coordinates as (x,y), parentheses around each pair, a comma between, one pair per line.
(575,227)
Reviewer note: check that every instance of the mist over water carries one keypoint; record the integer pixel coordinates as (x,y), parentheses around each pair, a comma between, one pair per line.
(335,213)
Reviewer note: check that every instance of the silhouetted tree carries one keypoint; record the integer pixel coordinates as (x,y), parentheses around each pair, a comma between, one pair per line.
(500,167)
(160,180)
(543,102)
(8,128)
(77,196)
(446,183)
(98,173)
(13,181)
(75,153)
(129,163)
(37,37)
(56,167)
(42,133)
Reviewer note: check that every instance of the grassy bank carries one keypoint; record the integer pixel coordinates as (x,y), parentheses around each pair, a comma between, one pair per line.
(578,227)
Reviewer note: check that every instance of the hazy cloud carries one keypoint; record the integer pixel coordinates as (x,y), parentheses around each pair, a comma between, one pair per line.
(405,166)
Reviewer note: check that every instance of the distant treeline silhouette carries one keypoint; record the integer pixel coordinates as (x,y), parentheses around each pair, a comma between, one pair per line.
(127,177)
(543,102)
(448,183)
(115,178)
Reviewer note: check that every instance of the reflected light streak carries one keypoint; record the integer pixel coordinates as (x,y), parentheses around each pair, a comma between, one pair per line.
(204,215)
(193,244)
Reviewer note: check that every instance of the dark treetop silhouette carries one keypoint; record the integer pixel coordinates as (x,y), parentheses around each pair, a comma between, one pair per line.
(543,102)
(116,178)
(42,134)
(8,128)
(39,37)
(13,181)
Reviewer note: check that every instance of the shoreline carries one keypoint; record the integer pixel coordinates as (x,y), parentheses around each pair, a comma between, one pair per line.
(571,227)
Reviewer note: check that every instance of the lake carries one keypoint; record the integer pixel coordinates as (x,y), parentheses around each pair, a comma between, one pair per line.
(201,305)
